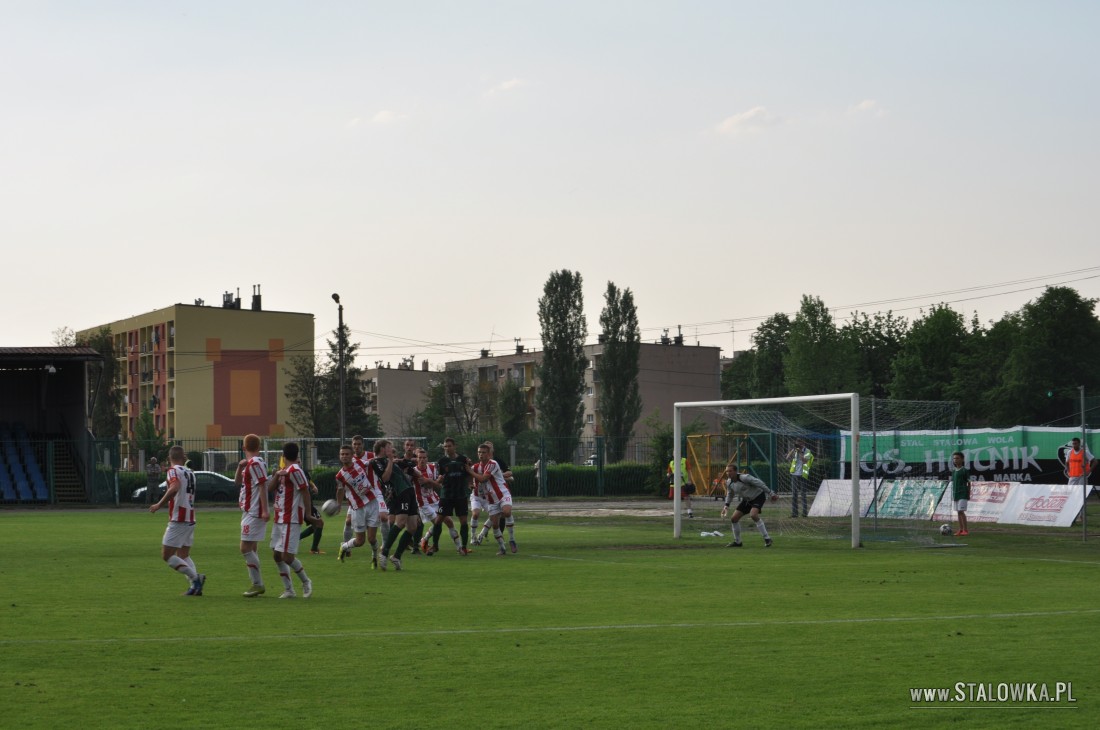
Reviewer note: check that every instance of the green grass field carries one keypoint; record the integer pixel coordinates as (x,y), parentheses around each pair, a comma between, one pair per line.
(595,623)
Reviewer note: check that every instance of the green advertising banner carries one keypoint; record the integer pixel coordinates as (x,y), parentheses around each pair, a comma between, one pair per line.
(1020,454)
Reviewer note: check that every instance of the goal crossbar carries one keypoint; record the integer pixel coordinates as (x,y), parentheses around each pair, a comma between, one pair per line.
(677,449)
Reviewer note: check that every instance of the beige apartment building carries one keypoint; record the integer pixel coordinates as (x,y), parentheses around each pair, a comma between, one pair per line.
(667,373)
(208,372)
(396,394)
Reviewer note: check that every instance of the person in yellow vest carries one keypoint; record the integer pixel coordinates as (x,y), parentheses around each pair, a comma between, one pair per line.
(1079,463)
(687,489)
(801,459)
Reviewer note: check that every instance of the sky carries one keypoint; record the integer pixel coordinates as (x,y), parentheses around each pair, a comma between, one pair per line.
(435,162)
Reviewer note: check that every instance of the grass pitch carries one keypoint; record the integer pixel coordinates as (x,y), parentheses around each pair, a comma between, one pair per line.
(595,623)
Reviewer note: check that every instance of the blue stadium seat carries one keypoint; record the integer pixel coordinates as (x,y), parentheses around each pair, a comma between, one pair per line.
(41,493)
(24,489)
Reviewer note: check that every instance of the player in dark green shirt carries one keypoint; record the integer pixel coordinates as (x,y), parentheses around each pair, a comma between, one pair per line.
(393,473)
(960,489)
(453,470)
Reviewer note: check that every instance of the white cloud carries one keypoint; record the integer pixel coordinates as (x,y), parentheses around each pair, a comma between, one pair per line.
(867,107)
(506,86)
(387,116)
(756,119)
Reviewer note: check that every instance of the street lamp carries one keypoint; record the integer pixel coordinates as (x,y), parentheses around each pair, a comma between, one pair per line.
(340,363)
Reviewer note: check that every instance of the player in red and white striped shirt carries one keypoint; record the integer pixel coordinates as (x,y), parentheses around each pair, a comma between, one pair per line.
(352,481)
(292,507)
(180,534)
(495,492)
(252,478)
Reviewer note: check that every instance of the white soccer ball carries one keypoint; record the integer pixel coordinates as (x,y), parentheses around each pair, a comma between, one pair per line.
(330,507)
(945,529)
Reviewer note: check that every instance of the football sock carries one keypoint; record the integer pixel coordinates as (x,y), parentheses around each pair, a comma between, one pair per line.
(510,523)
(763,530)
(404,540)
(180,565)
(391,537)
(252,562)
(317,537)
(464,531)
(737,532)
(347,532)
(284,573)
(297,567)
(437,530)
(499,536)
(306,532)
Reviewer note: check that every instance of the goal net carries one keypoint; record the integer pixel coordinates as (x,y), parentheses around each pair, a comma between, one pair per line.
(835,461)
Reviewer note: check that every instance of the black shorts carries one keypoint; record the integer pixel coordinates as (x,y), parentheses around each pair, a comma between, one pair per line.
(745,505)
(688,488)
(456,507)
(404,503)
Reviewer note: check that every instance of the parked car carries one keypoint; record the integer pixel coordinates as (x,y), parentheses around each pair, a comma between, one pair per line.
(210,486)
(591,460)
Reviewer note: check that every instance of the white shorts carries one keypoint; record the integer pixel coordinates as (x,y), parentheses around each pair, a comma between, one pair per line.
(477,504)
(428,513)
(960,505)
(1076,481)
(253,528)
(380,500)
(495,508)
(179,534)
(364,517)
(284,537)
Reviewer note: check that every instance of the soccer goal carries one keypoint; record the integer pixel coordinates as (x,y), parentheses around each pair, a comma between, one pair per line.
(833,459)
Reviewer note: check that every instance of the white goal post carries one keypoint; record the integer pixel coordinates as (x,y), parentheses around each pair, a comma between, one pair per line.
(677,449)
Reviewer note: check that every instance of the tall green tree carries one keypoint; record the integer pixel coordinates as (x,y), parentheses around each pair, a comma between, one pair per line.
(818,359)
(560,397)
(736,381)
(104,394)
(770,344)
(1056,349)
(875,341)
(620,403)
(357,419)
(927,360)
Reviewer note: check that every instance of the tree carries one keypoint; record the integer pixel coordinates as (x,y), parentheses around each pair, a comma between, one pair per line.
(356,418)
(770,340)
(617,370)
(102,388)
(560,397)
(875,341)
(736,381)
(927,360)
(818,360)
(305,396)
(64,337)
(511,409)
(149,438)
(1056,349)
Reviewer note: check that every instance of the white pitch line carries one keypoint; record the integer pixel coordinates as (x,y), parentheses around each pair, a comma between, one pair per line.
(552,629)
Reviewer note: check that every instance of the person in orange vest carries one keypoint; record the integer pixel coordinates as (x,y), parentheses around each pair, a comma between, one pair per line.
(1079,463)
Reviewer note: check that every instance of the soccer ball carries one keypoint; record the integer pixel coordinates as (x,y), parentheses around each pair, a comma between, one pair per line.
(945,529)
(330,507)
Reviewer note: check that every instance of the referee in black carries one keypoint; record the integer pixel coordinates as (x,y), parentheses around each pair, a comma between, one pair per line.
(454,501)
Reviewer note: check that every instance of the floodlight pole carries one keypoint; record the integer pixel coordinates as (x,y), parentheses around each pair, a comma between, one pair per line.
(340,362)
